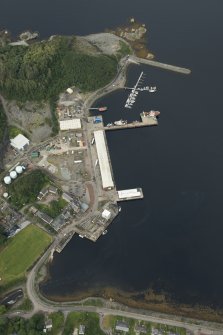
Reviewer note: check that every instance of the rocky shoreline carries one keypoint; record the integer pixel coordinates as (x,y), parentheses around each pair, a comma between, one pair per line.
(135,34)
(146,300)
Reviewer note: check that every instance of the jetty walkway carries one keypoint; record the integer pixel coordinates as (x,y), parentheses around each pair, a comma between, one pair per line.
(164,66)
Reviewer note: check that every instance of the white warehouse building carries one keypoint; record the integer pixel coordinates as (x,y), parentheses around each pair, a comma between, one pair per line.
(19,142)
(129,194)
(70,124)
(105,168)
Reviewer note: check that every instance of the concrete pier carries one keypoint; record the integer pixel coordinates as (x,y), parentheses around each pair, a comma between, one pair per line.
(146,121)
(152,122)
(174,68)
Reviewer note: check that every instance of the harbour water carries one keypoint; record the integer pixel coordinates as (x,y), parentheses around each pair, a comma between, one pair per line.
(170,241)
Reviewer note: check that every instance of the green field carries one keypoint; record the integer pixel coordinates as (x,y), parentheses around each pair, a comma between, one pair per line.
(20,253)
(89,320)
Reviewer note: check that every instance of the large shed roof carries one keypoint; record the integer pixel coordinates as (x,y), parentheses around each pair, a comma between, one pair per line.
(129,193)
(19,142)
(105,168)
(70,124)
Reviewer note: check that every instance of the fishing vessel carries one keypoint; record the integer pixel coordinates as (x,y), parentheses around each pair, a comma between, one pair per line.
(102,109)
(120,122)
(152,89)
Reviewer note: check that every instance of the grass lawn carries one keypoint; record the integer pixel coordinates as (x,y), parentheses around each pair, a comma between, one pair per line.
(89,320)
(58,322)
(21,252)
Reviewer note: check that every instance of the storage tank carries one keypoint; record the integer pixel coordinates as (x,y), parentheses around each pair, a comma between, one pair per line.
(13,174)
(7,180)
(19,169)
(5,195)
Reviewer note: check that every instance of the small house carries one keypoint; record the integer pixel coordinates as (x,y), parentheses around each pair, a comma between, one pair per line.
(122,326)
(75,206)
(44,217)
(48,326)
(106,214)
(140,329)
(53,189)
(43,193)
(67,197)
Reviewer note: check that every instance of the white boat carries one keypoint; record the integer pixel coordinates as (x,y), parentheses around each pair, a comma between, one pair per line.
(81,236)
(119,209)
(152,89)
(109,125)
(104,232)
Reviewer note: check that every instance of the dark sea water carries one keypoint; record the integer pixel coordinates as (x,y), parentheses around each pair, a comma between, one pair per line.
(171,240)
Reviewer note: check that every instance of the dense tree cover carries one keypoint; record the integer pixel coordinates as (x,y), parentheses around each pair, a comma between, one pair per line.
(20,326)
(3,122)
(24,189)
(44,69)
(3,238)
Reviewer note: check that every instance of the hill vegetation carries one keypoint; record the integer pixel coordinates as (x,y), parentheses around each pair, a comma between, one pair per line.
(3,123)
(44,69)
(24,189)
